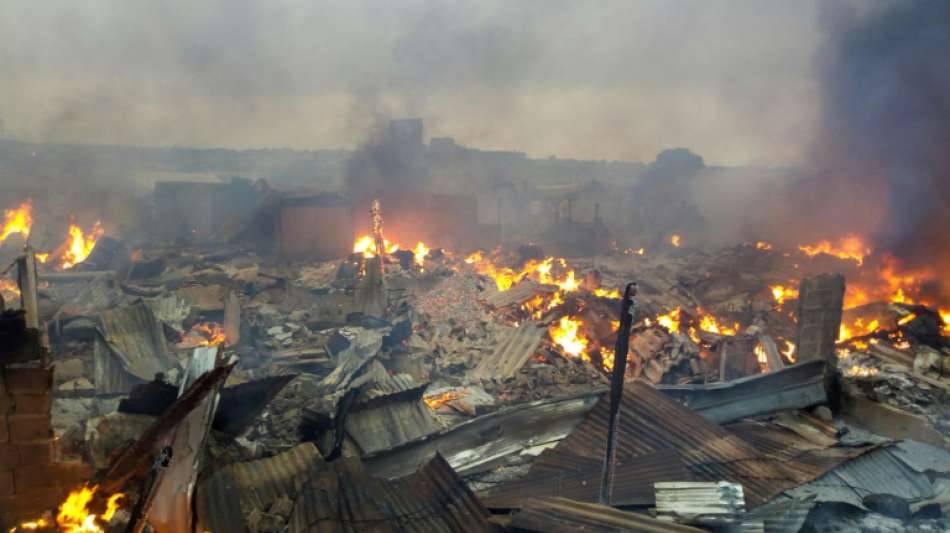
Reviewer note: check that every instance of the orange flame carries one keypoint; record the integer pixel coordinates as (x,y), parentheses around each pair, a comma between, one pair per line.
(19,220)
(604,293)
(761,357)
(75,516)
(80,244)
(945,317)
(420,252)
(710,324)
(566,334)
(204,334)
(789,351)
(7,285)
(675,240)
(438,400)
(850,247)
(781,293)
(670,321)
(366,245)
(762,245)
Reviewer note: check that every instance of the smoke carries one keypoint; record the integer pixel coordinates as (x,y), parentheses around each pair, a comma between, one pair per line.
(882,149)
(608,80)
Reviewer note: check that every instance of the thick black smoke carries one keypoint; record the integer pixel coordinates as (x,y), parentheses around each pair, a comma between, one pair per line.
(885,84)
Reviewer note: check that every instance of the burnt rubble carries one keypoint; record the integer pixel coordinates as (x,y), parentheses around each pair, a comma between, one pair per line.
(459,392)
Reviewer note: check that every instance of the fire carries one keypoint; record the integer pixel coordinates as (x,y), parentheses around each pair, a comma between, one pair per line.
(857,329)
(945,317)
(782,293)
(75,516)
(850,247)
(789,351)
(80,244)
(675,240)
(420,252)
(10,286)
(859,371)
(19,220)
(670,321)
(566,335)
(761,357)
(367,246)
(204,334)
(435,401)
(604,293)
(906,319)
(42,258)
(607,356)
(762,245)
(708,323)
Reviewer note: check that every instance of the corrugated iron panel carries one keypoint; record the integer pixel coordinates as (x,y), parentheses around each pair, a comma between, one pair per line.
(383,427)
(633,481)
(477,443)
(650,422)
(513,350)
(136,339)
(561,514)
(781,515)
(882,473)
(224,497)
(922,457)
(342,497)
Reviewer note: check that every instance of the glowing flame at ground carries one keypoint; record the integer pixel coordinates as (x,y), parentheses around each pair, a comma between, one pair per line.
(761,357)
(856,329)
(781,293)
(10,286)
(420,252)
(670,321)
(75,516)
(850,247)
(80,244)
(762,245)
(566,335)
(945,317)
(204,334)
(858,371)
(789,351)
(604,293)
(366,245)
(709,324)
(435,401)
(675,240)
(19,220)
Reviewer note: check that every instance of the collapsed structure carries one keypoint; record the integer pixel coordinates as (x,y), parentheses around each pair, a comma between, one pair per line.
(388,360)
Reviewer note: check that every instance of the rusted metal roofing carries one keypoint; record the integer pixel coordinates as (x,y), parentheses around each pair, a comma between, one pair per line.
(514,348)
(651,422)
(562,514)
(580,480)
(227,495)
(135,340)
(391,424)
(342,497)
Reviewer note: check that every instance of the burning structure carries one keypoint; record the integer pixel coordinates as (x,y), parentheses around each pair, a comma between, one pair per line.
(439,338)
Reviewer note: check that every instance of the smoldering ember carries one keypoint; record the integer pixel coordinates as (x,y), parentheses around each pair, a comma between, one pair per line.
(420,335)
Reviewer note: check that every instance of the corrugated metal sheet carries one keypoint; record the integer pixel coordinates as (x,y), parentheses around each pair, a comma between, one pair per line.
(478,443)
(513,350)
(561,515)
(136,340)
(580,480)
(877,472)
(691,500)
(651,422)
(380,428)
(227,495)
(342,497)
(922,457)
(794,387)
(781,515)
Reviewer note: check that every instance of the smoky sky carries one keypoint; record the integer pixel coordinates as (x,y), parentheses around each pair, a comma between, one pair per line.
(612,79)
(885,123)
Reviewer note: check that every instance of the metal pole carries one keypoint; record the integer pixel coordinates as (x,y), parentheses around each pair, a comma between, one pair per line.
(627,311)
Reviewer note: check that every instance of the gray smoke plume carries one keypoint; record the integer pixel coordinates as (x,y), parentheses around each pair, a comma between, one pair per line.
(885,136)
